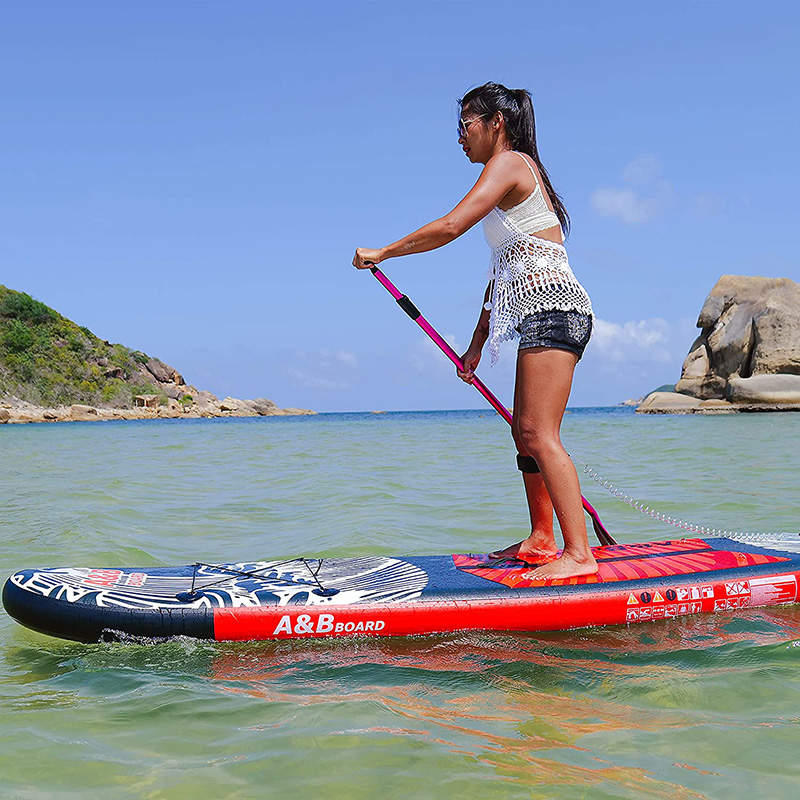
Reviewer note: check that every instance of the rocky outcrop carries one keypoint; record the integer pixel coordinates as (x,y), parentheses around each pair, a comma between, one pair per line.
(163,373)
(193,404)
(668,403)
(747,356)
(165,396)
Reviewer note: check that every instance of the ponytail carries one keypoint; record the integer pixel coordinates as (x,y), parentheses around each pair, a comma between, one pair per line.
(516,107)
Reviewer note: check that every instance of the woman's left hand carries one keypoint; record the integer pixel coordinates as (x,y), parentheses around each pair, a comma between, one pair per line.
(366,258)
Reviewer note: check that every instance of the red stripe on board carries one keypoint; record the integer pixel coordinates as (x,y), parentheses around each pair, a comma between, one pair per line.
(573,610)
(616,573)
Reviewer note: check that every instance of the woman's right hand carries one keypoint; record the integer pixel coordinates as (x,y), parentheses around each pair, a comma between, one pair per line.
(365,258)
(470,360)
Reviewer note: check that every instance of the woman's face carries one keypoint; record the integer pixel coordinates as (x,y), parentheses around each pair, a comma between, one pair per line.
(475,136)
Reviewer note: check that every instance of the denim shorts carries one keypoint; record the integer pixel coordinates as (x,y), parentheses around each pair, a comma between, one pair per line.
(564,330)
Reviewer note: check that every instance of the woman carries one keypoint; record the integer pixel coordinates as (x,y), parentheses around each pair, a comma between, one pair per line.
(533,294)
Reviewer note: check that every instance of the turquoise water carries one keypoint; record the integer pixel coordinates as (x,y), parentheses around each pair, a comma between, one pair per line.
(697,707)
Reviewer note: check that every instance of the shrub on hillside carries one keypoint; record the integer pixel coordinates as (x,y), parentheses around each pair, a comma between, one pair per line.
(47,359)
(17,336)
(23,307)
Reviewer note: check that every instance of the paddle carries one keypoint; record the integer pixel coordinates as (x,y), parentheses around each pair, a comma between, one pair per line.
(603,536)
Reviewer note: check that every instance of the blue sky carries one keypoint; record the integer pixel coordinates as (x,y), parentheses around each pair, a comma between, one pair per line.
(191,178)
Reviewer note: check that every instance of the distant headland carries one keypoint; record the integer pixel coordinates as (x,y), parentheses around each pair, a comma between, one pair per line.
(53,370)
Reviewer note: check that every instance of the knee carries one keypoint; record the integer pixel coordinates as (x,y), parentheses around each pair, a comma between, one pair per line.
(515,434)
(534,440)
(523,438)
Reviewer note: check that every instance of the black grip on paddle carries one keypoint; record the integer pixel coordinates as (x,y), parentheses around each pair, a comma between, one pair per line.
(405,303)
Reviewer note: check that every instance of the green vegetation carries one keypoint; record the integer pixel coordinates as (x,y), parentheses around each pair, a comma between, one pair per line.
(48,360)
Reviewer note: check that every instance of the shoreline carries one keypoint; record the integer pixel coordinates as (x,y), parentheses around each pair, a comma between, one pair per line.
(203,406)
(678,403)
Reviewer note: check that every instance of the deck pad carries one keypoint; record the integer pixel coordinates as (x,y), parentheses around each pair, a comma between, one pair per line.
(622,563)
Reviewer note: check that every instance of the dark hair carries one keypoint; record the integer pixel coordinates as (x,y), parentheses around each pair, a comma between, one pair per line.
(516,107)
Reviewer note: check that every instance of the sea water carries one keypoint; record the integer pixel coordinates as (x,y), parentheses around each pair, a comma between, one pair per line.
(704,706)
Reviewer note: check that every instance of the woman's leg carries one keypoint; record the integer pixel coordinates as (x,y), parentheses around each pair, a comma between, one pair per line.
(540,546)
(544,380)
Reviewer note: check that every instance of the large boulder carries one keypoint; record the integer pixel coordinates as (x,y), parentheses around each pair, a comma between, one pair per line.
(730,340)
(776,331)
(82,413)
(238,407)
(731,289)
(777,389)
(173,391)
(697,378)
(750,327)
(668,403)
(164,373)
(263,407)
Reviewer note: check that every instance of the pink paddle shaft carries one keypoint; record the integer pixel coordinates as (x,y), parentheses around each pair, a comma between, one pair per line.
(405,303)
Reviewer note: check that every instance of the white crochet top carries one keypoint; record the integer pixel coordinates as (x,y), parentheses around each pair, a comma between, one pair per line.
(528,273)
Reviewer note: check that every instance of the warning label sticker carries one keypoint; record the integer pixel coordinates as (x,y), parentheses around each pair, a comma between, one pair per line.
(773,590)
(728,604)
(737,587)
(694,592)
(661,612)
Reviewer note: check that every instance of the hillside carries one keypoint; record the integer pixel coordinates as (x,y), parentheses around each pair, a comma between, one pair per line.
(48,362)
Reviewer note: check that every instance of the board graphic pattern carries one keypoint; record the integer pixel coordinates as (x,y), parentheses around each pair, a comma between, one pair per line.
(367,579)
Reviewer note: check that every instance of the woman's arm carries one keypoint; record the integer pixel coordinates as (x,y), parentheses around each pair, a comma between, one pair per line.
(481,333)
(472,357)
(497,179)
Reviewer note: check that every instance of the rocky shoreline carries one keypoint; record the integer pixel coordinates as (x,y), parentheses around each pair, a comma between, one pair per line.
(193,404)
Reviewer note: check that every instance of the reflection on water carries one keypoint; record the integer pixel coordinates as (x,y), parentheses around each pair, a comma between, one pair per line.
(560,710)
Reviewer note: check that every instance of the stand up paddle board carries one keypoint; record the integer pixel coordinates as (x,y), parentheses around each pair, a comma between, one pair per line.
(382,596)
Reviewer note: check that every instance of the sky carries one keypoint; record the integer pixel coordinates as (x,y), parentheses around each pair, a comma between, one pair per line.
(191,179)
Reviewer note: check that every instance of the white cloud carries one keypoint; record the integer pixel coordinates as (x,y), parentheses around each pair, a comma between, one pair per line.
(633,341)
(650,195)
(644,170)
(624,204)
(324,369)
(653,340)
(630,359)
(346,357)
(425,356)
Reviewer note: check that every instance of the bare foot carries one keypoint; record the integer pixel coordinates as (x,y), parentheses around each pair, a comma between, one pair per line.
(567,566)
(536,549)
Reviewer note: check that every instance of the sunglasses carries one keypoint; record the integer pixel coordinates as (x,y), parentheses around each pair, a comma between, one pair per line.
(463,125)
